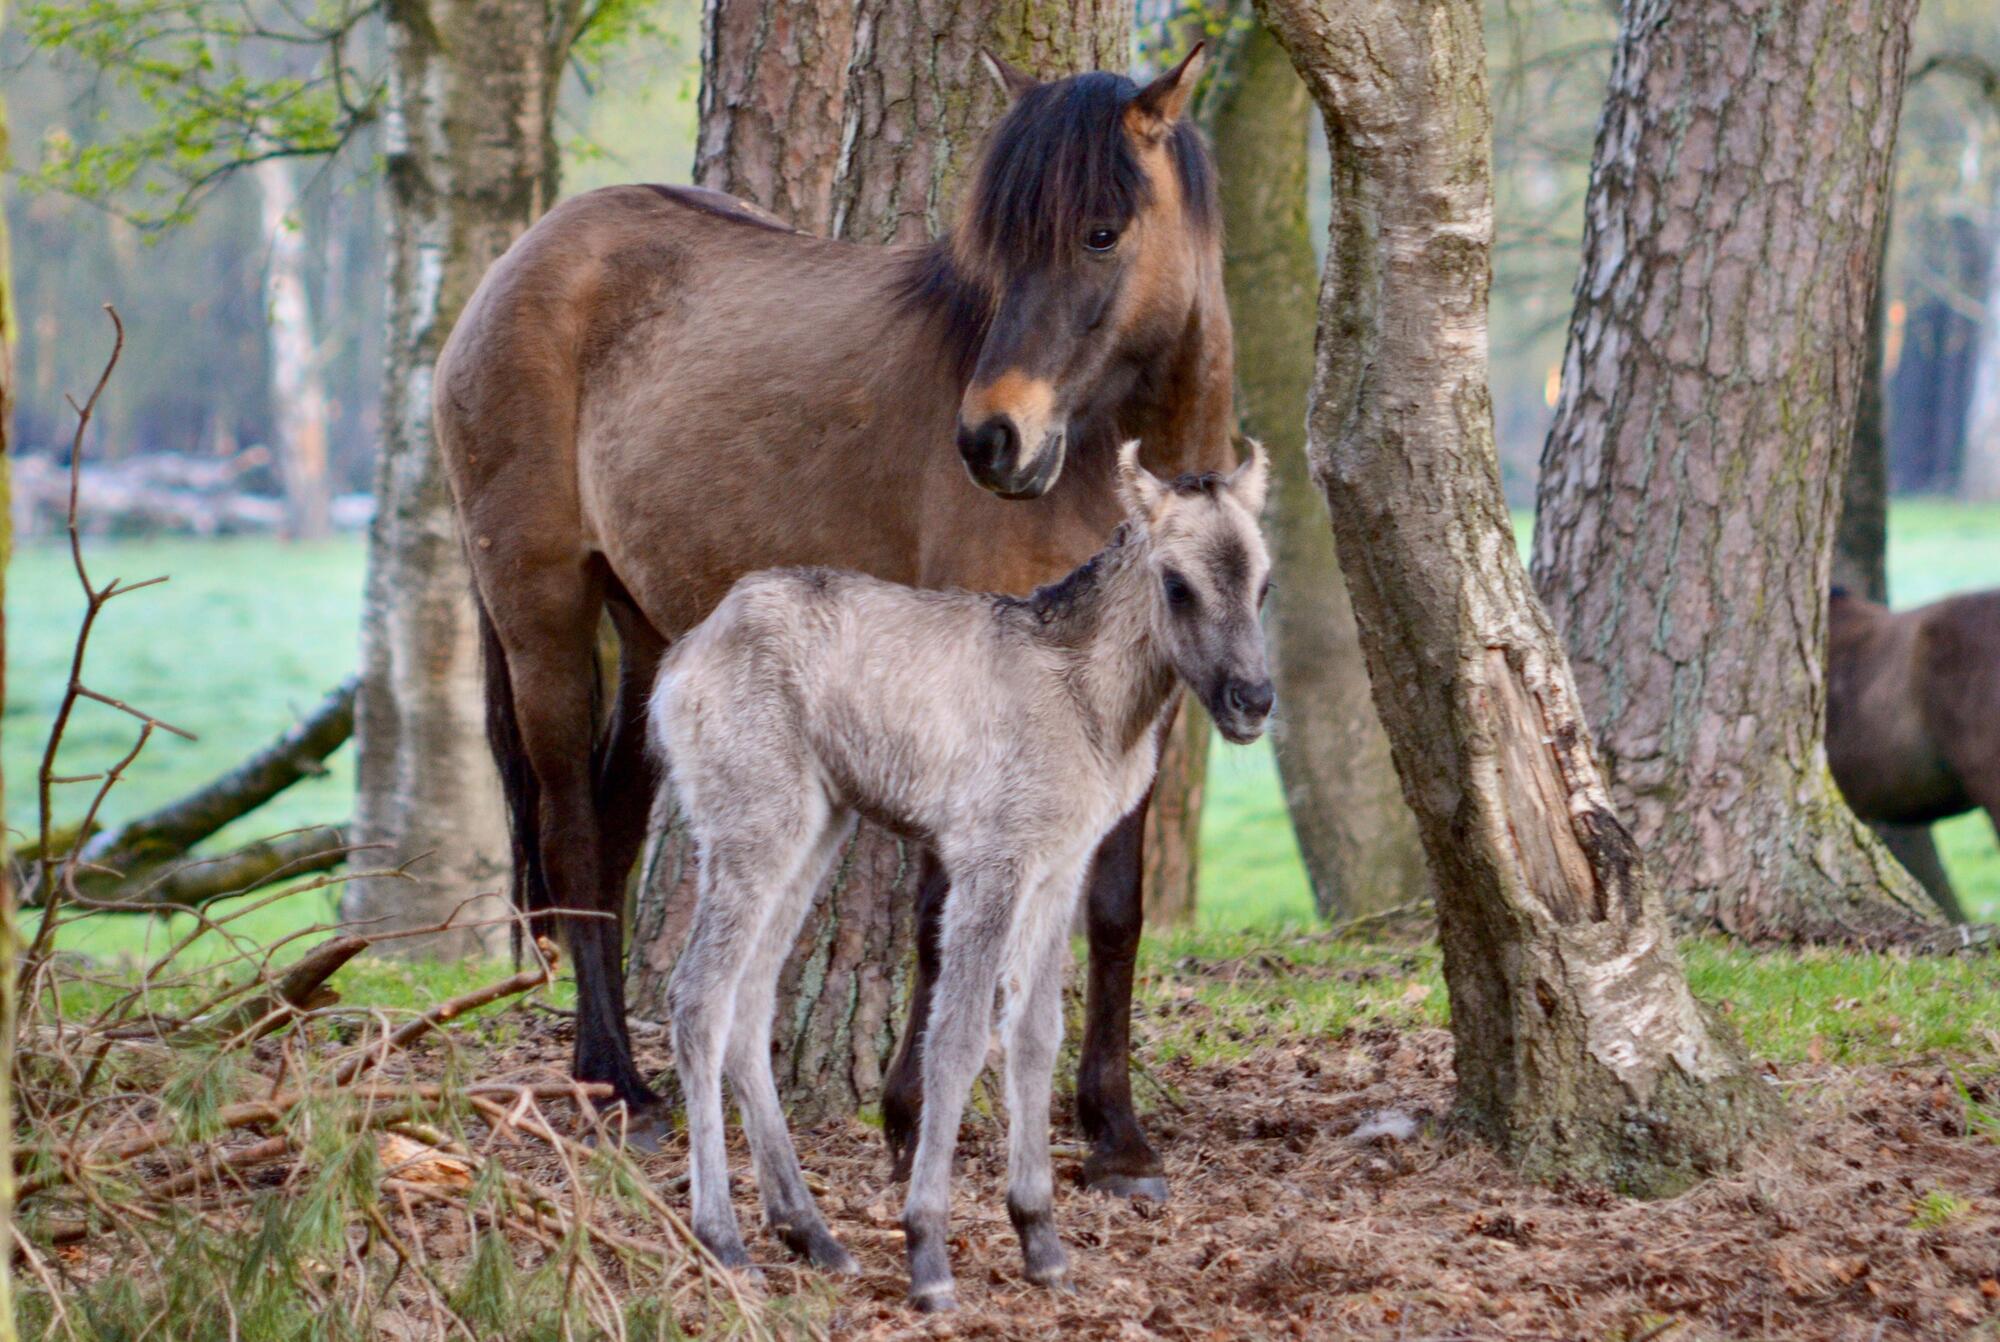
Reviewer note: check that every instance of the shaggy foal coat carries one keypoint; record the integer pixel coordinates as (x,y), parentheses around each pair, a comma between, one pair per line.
(1009,734)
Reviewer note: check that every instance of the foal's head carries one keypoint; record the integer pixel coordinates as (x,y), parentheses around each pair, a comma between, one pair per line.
(1209,572)
(1089,229)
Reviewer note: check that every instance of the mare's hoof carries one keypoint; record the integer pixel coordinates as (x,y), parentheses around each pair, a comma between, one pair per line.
(934,1300)
(1153,1186)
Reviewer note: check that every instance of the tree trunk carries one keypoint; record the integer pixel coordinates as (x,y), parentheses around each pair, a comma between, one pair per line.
(1580,1050)
(1861,558)
(1689,487)
(10,937)
(880,162)
(1354,830)
(298,386)
(470,164)
(1980,474)
(1170,848)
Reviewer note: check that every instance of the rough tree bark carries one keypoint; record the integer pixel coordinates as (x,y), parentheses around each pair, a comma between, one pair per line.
(298,384)
(1861,558)
(470,164)
(1580,1049)
(1686,508)
(1354,830)
(873,156)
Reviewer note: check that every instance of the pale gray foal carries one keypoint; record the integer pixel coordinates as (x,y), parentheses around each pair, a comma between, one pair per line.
(1010,734)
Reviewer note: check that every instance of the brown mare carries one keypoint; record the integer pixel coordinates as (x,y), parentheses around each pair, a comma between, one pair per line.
(658,390)
(1913,712)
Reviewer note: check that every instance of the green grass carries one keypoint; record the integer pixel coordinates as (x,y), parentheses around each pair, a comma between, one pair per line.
(249,633)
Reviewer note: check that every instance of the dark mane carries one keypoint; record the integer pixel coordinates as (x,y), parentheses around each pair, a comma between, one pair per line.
(1059,164)
(1202,482)
(1053,601)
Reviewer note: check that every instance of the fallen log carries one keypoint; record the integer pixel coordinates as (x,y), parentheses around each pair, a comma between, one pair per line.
(131,855)
(199,881)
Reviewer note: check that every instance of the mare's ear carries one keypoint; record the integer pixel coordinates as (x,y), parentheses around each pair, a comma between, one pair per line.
(1013,80)
(1251,482)
(1161,103)
(1138,488)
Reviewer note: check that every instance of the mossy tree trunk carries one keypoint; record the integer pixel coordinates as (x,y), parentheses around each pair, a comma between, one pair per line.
(875,155)
(1689,487)
(470,164)
(1354,830)
(1580,1050)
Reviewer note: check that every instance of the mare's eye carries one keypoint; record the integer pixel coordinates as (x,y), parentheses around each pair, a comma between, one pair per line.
(1264,593)
(1101,239)
(1180,596)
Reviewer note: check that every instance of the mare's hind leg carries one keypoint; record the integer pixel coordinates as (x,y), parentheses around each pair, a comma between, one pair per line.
(978,920)
(789,1208)
(626,781)
(547,626)
(1121,1161)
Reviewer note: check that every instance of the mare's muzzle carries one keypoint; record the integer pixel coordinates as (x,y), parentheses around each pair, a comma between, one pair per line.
(994,458)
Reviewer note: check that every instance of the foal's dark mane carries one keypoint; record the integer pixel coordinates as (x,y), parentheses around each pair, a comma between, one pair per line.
(1059,164)
(1069,594)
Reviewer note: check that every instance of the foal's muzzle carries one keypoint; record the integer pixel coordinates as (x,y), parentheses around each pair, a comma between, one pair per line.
(994,459)
(1244,708)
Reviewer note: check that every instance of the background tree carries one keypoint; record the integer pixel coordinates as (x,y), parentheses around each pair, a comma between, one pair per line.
(427,786)
(1690,484)
(915,103)
(10,941)
(1354,830)
(1579,1046)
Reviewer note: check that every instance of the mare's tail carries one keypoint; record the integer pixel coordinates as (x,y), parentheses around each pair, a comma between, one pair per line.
(530,891)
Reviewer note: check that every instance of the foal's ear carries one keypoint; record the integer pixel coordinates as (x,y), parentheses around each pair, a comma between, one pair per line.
(1161,103)
(1138,488)
(1013,80)
(1251,482)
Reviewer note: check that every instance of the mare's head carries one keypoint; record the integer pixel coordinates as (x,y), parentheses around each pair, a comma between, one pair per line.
(1088,233)
(1209,574)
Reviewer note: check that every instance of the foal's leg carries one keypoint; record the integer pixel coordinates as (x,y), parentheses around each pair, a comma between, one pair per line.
(789,1208)
(1034,1028)
(1120,1161)
(903,1088)
(978,920)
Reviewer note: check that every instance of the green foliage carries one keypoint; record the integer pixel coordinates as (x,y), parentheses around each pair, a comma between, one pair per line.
(216,84)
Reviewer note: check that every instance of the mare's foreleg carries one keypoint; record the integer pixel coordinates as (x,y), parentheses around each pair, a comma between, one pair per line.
(1120,1161)
(903,1088)
(977,922)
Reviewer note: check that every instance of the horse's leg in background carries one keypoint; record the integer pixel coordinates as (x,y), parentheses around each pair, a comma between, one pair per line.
(1120,1160)
(1915,847)
(625,780)
(903,1089)
(548,628)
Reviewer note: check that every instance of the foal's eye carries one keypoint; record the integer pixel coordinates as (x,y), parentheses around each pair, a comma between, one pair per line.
(1264,593)
(1101,239)
(1179,595)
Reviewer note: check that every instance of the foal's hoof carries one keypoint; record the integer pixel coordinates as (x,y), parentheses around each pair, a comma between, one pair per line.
(641,1130)
(1153,1186)
(1059,1282)
(820,1248)
(934,1300)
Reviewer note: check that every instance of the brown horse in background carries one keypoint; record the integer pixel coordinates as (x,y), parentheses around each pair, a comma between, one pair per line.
(658,390)
(1913,712)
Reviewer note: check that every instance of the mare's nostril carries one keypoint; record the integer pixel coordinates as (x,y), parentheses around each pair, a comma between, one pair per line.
(990,446)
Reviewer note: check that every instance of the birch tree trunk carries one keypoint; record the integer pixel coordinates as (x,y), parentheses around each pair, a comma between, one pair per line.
(1689,488)
(1354,831)
(298,385)
(470,164)
(1580,1049)
(875,156)
(10,937)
